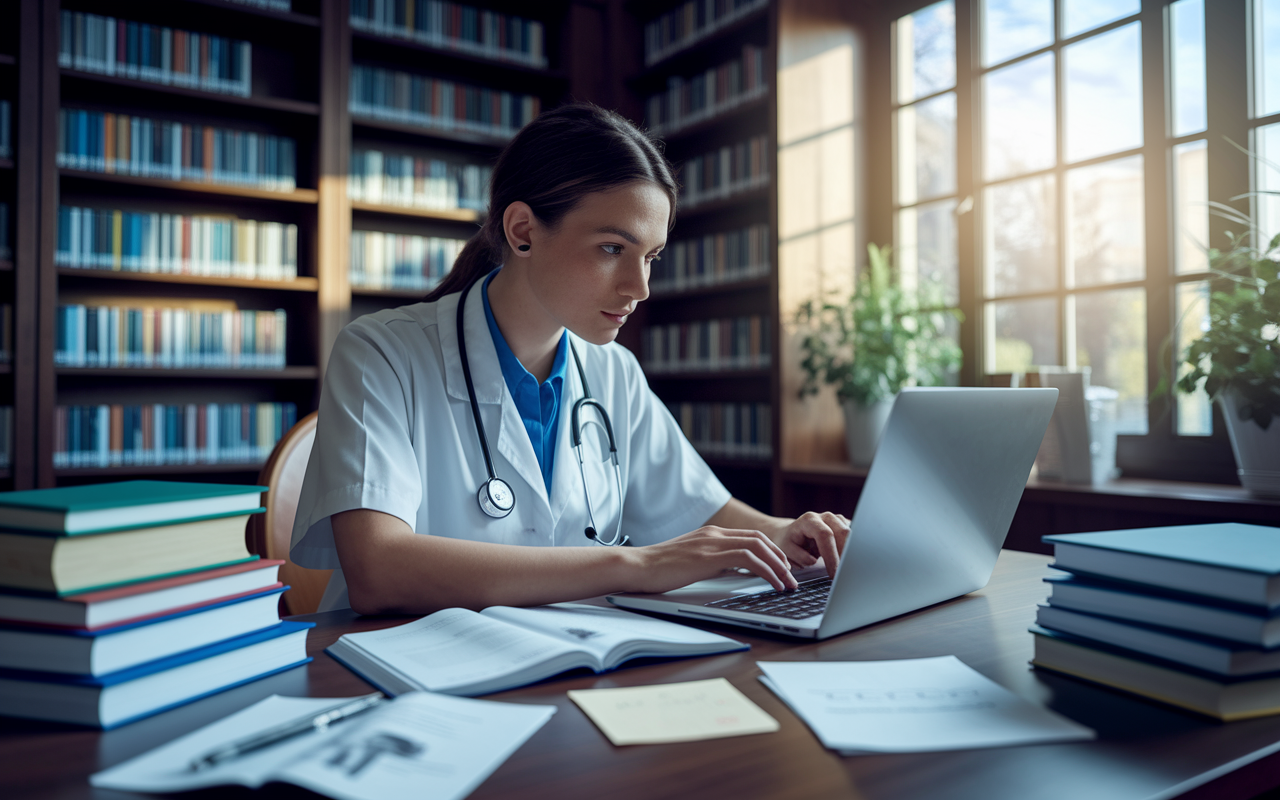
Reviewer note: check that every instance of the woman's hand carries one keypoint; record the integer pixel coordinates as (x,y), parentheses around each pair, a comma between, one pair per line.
(707,553)
(814,535)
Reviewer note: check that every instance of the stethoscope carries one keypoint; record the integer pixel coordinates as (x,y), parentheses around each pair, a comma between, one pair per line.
(495,496)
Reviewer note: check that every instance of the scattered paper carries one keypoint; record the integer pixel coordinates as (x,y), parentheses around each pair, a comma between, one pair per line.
(418,745)
(673,712)
(911,706)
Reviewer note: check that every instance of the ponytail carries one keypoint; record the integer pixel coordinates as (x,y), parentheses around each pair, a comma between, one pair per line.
(552,164)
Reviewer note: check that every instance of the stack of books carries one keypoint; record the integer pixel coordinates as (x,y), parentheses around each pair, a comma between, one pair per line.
(1187,615)
(122,600)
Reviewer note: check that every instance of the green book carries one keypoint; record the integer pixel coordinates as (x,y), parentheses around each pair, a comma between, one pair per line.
(106,507)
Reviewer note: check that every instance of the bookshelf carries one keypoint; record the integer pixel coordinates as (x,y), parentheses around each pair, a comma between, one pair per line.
(293,82)
(707,87)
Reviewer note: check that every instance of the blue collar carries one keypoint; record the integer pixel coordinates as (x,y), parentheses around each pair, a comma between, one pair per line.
(512,370)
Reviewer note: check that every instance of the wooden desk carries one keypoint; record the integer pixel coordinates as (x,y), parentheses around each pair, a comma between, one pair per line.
(1144,750)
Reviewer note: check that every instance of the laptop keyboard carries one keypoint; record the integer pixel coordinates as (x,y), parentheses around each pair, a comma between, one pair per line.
(809,600)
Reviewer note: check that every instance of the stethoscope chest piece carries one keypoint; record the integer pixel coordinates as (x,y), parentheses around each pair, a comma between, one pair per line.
(496,498)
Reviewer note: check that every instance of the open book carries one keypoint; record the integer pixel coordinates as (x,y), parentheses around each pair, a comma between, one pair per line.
(462,652)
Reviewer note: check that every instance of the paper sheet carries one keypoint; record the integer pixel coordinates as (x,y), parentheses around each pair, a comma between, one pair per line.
(419,745)
(673,712)
(911,706)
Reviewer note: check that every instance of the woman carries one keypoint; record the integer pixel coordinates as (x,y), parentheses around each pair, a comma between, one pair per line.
(411,443)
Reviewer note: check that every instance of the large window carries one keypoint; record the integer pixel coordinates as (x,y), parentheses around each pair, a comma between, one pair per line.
(1052,166)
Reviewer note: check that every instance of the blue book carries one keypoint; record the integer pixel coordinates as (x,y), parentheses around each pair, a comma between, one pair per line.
(1185,612)
(1229,560)
(76,651)
(1207,653)
(108,701)
(106,507)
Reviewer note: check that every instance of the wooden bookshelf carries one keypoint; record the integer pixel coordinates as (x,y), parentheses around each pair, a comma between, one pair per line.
(750,479)
(302,61)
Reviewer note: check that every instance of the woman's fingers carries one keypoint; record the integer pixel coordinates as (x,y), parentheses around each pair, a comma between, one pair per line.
(826,533)
(757,553)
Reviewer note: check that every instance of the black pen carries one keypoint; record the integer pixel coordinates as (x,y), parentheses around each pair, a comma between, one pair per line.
(288,730)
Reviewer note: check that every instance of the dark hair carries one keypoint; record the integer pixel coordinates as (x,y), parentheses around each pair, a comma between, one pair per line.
(552,164)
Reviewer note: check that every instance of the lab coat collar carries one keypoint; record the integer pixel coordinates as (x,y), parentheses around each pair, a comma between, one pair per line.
(486,373)
(566,479)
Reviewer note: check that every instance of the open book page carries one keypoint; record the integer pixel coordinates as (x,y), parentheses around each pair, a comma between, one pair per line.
(458,651)
(613,635)
(418,745)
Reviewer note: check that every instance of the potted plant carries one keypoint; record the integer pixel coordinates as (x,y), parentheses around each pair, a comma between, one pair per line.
(1238,356)
(884,337)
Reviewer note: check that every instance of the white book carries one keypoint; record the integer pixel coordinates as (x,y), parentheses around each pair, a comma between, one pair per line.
(463,652)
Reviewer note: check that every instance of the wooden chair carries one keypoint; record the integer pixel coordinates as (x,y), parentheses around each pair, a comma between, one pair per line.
(268,534)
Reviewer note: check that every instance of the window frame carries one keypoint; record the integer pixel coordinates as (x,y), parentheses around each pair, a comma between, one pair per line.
(1161,452)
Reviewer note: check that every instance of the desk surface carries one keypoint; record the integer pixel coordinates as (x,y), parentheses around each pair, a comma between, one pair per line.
(1144,750)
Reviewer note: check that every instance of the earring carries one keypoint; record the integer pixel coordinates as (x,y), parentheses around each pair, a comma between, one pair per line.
(524,248)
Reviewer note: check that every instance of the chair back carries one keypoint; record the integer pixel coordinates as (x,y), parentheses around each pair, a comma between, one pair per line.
(268,534)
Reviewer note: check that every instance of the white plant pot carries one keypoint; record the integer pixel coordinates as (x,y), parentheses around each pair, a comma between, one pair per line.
(862,428)
(1257,451)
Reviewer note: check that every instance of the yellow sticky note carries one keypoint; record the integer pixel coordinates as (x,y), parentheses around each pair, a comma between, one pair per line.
(673,712)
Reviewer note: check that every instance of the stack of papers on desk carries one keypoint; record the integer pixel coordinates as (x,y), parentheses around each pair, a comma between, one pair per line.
(911,706)
(419,745)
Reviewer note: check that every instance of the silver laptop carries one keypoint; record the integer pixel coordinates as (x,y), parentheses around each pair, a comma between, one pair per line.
(933,514)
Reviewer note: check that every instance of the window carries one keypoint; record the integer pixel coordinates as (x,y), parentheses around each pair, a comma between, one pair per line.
(1059,180)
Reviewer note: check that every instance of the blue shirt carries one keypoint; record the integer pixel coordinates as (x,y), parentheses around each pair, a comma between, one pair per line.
(539,406)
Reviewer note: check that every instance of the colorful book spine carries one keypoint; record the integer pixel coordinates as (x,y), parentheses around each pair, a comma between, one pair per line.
(154,53)
(438,104)
(398,261)
(688,101)
(6,436)
(179,338)
(712,260)
(397,179)
(726,430)
(453,26)
(158,434)
(722,173)
(95,141)
(6,123)
(690,22)
(6,249)
(715,345)
(6,333)
(140,241)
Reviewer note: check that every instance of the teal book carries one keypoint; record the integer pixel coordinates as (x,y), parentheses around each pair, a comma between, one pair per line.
(107,507)
(1228,561)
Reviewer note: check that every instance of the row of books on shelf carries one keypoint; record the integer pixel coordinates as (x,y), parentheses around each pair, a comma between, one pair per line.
(406,180)
(726,430)
(454,26)
(148,601)
(691,21)
(384,94)
(154,53)
(6,123)
(111,336)
(707,345)
(159,434)
(711,260)
(688,101)
(6,436)
(722,173)
(98,141)
(141,241)
(1188,615)
(401,261)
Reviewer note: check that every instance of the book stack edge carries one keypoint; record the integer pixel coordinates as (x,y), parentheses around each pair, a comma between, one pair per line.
(119,601)
(1186,615)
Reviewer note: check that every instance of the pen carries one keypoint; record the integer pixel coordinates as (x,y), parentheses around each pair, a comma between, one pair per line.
(287,730)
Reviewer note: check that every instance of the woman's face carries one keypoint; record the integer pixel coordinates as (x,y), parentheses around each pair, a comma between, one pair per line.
(592,271)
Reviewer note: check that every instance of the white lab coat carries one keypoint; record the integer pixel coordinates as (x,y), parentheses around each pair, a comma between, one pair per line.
(396,434)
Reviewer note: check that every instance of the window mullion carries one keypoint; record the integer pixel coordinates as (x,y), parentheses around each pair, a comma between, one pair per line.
(968,166)
(1160,212)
